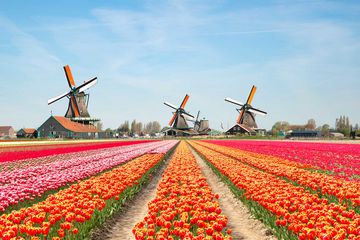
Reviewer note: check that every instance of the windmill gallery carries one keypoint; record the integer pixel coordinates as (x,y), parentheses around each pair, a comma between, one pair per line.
(77,122)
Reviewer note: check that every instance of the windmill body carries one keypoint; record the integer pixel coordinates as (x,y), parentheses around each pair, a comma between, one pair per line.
(245,122)
(82,103)
(78,100)
(180,123)
(201,126)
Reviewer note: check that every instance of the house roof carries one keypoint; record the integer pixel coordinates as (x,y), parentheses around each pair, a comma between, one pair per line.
(187,131)
(28,130)
(5,128)
(242,126)
(336,134)
(74,126)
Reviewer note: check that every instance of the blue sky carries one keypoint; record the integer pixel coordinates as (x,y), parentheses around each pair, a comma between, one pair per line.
(303,56)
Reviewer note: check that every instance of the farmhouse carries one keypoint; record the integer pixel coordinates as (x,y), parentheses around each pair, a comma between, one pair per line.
(177,132)
(241,128)
(62,127)
(27,133)
(7,132)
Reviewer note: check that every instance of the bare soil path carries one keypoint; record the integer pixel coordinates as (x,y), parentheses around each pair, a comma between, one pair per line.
(120,226)
(243,225)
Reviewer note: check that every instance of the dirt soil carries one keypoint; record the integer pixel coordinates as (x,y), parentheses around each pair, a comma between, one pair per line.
(243,224)
(121,224)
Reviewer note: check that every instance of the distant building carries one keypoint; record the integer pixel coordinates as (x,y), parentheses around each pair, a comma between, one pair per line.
(242,129)
(172,132)
(27,133)
(62,127)
(305,134)
(336,135)
(7,132)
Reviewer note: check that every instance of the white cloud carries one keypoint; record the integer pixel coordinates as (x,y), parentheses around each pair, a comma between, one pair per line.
(304,64)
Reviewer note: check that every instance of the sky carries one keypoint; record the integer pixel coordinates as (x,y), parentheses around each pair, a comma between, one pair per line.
(303,56)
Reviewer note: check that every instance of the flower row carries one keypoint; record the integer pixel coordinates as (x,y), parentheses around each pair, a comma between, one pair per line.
(326,184)
(58,215)
(13,154)
(184,206)
(303,213)
(342,159)
(59,163)
(25,184)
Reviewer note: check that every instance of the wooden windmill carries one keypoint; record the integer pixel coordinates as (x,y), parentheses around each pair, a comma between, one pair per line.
(180,116)
(201,126)
(245,121)
(78,99)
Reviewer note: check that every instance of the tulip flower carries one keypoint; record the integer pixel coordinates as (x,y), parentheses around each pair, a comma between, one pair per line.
(184,206)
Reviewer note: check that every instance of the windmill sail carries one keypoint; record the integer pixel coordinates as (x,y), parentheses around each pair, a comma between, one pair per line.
(180,116)
(78,100)
(246,118)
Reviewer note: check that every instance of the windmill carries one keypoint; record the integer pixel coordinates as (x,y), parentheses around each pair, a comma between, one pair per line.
(200,126)
(245,121)
(78,99)
(180,117)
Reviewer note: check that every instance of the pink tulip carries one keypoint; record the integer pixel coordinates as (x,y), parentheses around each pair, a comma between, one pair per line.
(343,160)
(27,183)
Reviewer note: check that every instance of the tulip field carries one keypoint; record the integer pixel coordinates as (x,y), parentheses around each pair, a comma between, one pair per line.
(293,197)
(296,190)
(184,207)
(340,159)
(50,198)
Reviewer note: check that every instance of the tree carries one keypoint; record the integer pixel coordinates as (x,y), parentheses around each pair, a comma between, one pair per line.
(152,127)
(124,127)
(148,127)
(343,125)
(156,127)
(325,130)
(108,130)
(138,128)
(133,126)
(280,126)
(311,124)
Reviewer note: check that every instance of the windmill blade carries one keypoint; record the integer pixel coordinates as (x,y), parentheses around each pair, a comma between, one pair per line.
(69,77)
(51,100)
(74,106)
(170,105)
(239,118)
(197,117)
(257,111)
(230,100)
(251,95)
(188,114)
(186,98)
(172,119)
(85,86)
